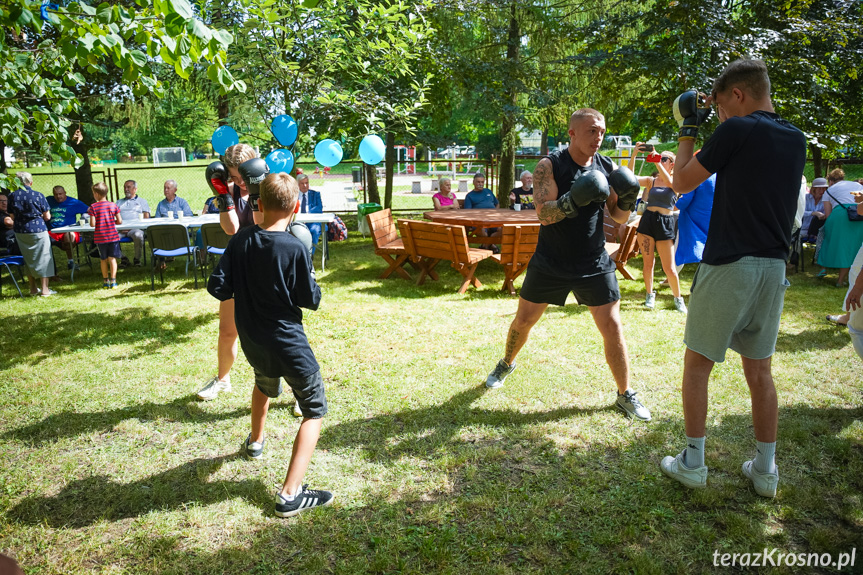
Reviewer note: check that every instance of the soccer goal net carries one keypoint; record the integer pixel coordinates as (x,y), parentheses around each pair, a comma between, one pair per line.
(163,156)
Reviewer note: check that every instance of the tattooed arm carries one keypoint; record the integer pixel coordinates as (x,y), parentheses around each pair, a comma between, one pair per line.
(545,194)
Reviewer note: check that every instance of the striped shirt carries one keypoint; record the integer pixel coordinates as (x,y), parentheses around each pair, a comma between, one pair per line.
(103,213)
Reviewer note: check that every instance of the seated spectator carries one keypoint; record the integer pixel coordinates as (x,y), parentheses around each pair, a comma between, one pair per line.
(210,206)
(523,195)
(7,235)
(173,203)
(64,212)
(310,203)
(133,208)
(30,211)
(813,215)
(842,237)
(482,198)
(445,199)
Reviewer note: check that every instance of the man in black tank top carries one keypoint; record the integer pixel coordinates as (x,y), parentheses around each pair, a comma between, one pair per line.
(570,254)
(739,288)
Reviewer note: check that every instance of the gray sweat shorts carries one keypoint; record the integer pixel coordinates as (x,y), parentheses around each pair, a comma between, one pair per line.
(736,306)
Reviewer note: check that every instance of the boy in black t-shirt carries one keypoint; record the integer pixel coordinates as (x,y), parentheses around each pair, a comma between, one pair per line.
(269,274)
(739,289)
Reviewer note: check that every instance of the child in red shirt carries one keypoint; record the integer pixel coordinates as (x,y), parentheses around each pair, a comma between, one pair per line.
(105,215)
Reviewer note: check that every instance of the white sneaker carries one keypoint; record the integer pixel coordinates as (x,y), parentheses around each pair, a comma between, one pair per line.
(297,411)
(680,305)
(674,467)
(650,300)
(213,388)
(764,483)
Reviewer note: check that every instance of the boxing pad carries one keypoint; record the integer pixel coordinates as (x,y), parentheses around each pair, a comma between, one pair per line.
(586,188)
(689,115)
(626,187)
(253,173)
(217,178)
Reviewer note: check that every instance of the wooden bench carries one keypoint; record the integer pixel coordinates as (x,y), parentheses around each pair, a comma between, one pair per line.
(627,247)
(428,243)
(388,244)
(517,244)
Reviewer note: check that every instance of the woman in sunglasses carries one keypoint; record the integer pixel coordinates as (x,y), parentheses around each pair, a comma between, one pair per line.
(658,227)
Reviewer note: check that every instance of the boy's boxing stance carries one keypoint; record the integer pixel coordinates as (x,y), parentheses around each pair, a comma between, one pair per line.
(106,217)
(268,272)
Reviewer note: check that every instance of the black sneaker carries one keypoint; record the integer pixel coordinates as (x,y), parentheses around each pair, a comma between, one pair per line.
(137,263)
(253,450)
(307,499)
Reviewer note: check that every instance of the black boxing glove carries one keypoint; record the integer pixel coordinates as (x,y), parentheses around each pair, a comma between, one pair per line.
(586,188)
(688,114)
(302,233)
(253,173)
(625,185)
(217,178)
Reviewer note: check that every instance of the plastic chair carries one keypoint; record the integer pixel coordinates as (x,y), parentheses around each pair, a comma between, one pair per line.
(215,239)
(7,261)
(170,241)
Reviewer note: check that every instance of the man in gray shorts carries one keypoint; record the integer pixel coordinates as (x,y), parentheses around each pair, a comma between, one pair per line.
(571,188)
(739,288)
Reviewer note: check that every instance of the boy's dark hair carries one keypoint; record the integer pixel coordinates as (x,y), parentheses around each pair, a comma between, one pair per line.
(100,189)
(747,75)
(279,192)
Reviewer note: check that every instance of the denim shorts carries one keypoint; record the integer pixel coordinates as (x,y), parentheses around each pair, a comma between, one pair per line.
(109,250)
(736,306)
(309,391)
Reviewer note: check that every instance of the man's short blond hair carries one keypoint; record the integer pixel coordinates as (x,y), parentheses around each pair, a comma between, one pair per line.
(239,153)
(100,189)
(585,113)
(279,192)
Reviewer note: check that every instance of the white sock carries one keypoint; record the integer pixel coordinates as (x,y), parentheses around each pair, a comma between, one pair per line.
(694,456)
(764,457)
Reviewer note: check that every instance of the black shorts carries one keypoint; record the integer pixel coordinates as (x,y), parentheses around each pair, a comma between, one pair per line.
(109,250)
(658,226)
(592,291)
(309,391)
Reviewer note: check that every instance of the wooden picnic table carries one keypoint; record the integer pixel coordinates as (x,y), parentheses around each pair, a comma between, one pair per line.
(477,219)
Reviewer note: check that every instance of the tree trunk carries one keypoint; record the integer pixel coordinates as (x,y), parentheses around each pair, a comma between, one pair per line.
(3,166)
(84,174)
(372,192)
(508,135)
(543,148)
(817,162)
(391,164)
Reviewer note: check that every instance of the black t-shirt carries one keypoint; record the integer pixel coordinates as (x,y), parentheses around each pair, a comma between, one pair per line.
(758,161)
(574,247)
(523,197)
(268,275)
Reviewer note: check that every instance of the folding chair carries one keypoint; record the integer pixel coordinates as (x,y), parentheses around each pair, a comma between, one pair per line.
(215,240)
(171,241)
(7,261)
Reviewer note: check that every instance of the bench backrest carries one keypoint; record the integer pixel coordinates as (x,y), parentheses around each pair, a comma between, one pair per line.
(518,242)
(382,227)
(431,240)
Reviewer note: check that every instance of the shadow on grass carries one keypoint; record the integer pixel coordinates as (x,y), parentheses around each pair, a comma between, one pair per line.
(98,498)
(51,333)
(429,429)
(514,505)
(71,423)
(816,338)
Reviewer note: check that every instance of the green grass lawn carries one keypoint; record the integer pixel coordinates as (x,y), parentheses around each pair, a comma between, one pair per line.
(110,464)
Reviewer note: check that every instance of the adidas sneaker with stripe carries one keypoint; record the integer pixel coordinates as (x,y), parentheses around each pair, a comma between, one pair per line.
(306,499)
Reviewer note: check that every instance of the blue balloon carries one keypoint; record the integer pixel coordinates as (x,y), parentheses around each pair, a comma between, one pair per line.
(280,161)
(328,153)
(284,129)
(223,138)
(372,149)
